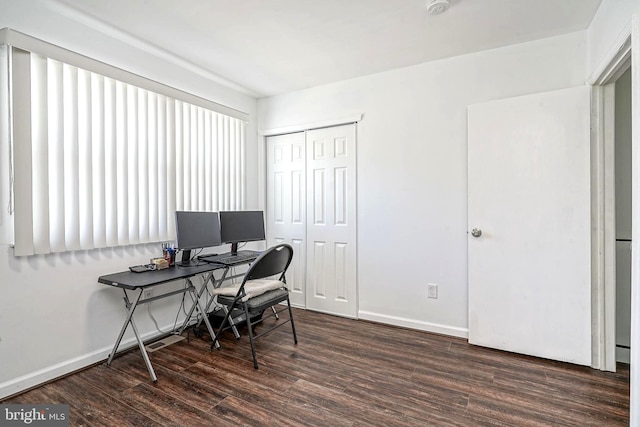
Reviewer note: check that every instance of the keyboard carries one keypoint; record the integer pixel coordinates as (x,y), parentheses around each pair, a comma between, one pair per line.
(229,259)
(234,259)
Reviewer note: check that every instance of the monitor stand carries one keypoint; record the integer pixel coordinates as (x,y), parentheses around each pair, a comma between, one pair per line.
(185,261)
(234,249)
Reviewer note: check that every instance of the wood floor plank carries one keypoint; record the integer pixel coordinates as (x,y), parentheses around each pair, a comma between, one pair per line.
(414,400)
(241,412)
(285,404)
(310,365)
(168,409)
(343,373)
(199,394)
(361,411)
(48,394)
(103,376)
(99,407)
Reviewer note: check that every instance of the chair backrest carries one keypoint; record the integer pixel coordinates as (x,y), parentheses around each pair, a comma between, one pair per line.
(274,260)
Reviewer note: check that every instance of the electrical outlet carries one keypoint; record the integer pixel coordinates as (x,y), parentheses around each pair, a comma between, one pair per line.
(432,291)
(148,293)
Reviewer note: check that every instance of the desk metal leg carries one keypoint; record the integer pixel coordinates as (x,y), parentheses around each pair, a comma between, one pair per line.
(193,306)
(196,303)
(218,282)
(208,306)
(131,307)
(206,320)
(143,350)
(224,307)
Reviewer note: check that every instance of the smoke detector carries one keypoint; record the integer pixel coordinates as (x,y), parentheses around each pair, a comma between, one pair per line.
(436,7)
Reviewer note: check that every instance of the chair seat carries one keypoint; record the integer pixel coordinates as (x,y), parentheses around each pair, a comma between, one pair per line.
(252,288)
(260,302)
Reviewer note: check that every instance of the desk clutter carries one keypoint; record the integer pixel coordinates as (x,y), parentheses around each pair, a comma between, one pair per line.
(160,263)
(142,268)
(168,254)
(167,260)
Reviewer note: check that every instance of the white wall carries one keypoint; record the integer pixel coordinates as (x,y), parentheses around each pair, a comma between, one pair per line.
(412,167)
(54,316)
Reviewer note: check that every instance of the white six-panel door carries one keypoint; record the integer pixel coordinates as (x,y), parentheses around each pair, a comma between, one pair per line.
(331,220)
(311,204)
(286,205)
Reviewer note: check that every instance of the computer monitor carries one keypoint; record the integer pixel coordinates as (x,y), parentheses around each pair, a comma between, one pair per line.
(196,230)
(241,226)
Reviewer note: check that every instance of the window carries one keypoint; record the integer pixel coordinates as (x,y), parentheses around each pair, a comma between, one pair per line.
(99,162)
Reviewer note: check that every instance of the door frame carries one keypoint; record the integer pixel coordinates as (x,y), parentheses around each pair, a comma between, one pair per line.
(620,55)
(603,264)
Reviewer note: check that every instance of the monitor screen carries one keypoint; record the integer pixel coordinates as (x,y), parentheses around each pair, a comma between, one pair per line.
(241,226)
(196,230)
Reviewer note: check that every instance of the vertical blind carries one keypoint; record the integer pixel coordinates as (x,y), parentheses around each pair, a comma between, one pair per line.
(99,162)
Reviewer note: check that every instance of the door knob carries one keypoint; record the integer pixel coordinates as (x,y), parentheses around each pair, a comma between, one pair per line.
(476,232)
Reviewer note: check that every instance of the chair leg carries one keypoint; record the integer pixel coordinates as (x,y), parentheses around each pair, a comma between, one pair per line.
(250,328)
(275,312)
(293,327)
(231,322)
(222,325)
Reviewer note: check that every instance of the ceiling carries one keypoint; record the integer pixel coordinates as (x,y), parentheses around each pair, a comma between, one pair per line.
(268,47)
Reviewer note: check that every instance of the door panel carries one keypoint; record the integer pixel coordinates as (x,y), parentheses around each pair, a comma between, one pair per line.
(529,193)
(286,205)
(331,220)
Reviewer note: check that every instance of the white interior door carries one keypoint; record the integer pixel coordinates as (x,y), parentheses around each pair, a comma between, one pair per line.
(529,194)
(331,220)
(286,205)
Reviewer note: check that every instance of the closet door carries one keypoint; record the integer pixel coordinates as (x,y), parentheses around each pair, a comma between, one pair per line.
(331,220)
(286,205)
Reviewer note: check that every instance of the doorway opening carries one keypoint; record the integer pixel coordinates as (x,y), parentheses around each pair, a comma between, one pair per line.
(623,216)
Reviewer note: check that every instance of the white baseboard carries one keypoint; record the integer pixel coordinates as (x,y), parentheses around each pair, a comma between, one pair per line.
(33,379)
(58,370)
(415,324)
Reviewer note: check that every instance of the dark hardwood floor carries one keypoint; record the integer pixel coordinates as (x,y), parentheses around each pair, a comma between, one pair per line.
(342,373)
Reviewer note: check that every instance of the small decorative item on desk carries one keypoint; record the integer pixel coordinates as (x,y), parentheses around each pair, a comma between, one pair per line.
(169,253)
(172,255)
(160,263)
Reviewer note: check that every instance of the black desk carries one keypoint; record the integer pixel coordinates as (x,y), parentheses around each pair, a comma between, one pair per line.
(129,281)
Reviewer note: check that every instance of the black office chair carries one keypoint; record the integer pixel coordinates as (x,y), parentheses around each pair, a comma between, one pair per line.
(254,295)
